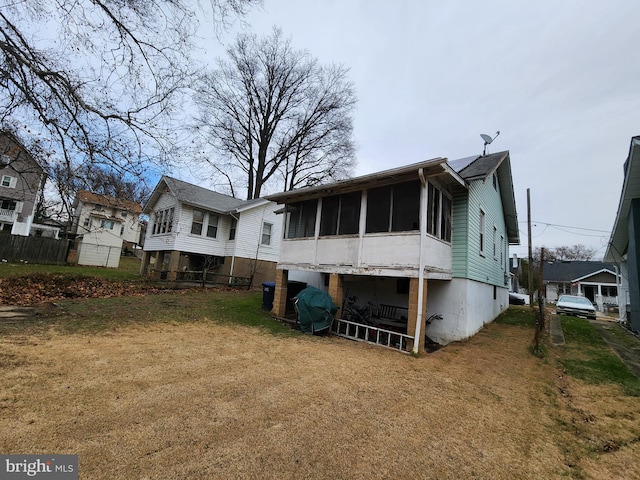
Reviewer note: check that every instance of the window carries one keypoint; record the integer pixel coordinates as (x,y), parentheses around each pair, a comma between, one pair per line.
(9,204)
(8,181)
(501,250)
(121,230)
(212,225)
(394,208)
(266,233)
(482,231)
(495,182)
(163,221)
(340,214)
(301,219)
(439,211)
(197,222)
(108,224)
(433,209)
(5,160)
(87,222)
(445,221)
(495,242)
(232,229)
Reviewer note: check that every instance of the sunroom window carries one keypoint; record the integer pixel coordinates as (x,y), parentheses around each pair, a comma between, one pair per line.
(393,208)
(301,219)
(340,214)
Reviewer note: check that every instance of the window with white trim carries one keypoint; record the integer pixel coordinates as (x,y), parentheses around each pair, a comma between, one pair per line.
(212,225)
(393,208)
(232,229)
(108,224)
(340,214)
(301,219)
(495,242)
(8,204)
(482,230)
(8,181)
(266,233)
(439,213)
(163,221)
(197,222)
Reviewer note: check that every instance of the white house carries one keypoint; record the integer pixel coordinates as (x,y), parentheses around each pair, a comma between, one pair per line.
(103,226)
(428,240)
(192,228)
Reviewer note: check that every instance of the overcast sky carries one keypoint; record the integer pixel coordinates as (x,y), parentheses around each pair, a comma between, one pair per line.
(560,80)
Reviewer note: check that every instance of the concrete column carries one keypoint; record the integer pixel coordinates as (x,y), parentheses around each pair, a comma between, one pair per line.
(174,262)
(413,313)
(336,291)
(280,294)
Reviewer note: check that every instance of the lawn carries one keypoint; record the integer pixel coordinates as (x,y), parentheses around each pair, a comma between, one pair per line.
(129,269)
(204,384)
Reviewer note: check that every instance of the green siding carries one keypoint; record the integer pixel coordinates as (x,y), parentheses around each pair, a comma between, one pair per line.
(467,260)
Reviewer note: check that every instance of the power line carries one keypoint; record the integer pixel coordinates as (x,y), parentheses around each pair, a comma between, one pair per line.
(568,226)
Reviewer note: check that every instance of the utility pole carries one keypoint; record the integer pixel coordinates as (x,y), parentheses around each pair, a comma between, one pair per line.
(530,250)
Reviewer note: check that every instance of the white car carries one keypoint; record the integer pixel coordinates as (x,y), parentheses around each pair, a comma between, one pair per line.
(576,306)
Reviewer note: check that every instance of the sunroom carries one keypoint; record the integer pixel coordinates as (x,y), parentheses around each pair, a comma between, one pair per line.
(372,242)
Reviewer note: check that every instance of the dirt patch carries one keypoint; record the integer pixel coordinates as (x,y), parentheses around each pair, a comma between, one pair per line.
(203,400)
(209,401)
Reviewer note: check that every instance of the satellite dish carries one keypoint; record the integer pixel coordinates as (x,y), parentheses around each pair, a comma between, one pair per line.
(487,140)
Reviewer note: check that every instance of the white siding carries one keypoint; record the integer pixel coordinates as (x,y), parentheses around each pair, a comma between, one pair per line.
(388,254)
(247,239)
(249,233)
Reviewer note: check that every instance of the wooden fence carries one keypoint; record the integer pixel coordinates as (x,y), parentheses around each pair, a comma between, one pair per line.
(42,250)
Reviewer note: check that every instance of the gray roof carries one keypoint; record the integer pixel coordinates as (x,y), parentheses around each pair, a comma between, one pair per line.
(568,271)
(435,166)
(619,241)
(480,167)
(195,196)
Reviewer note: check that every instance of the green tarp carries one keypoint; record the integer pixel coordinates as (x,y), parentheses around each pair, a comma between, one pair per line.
(315,310)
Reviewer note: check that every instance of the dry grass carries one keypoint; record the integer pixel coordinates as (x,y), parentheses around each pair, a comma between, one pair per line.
(203,400)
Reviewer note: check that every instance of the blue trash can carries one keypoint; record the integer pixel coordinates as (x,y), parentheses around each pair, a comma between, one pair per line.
(268,292)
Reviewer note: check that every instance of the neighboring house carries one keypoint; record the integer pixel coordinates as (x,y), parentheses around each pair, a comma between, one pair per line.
(104,226)
(21,182)
(192,228)
(595,280)
(425,239)
(624,244)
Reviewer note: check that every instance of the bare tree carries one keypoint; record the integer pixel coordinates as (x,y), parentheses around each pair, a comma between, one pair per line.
(274,114)
(98,82)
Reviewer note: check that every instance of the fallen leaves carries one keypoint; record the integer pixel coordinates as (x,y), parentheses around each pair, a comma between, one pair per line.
(38,288)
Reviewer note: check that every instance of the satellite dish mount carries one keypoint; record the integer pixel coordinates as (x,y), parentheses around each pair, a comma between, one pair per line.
(487,140)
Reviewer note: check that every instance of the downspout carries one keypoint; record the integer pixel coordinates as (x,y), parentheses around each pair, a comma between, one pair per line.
(235,248)
(423,236)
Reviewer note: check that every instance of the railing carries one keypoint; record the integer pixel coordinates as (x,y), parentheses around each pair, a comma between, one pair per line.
(212,277)
(7,215)
(369,334)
